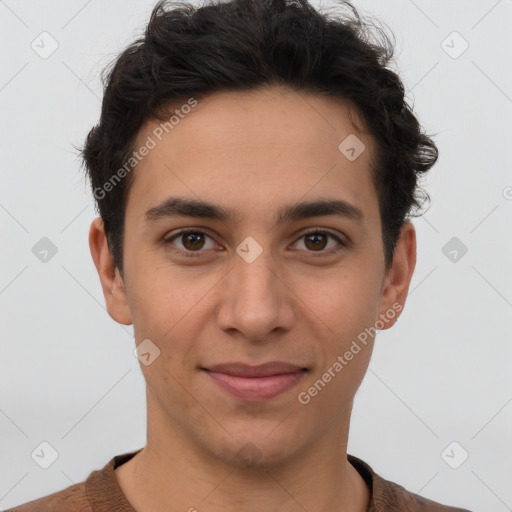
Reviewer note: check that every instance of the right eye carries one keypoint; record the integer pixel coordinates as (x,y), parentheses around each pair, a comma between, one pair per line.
(192,241)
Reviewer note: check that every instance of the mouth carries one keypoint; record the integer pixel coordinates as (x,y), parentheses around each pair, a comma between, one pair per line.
(255,383)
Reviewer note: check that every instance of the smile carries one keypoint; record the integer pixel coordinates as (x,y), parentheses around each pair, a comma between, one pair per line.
(255,389)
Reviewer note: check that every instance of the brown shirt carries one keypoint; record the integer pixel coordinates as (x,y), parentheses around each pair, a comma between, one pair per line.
(101,493)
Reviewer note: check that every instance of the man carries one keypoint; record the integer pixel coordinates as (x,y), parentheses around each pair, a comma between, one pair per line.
(255,166)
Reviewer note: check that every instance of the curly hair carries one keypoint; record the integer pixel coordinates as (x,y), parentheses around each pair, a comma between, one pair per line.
(243,45)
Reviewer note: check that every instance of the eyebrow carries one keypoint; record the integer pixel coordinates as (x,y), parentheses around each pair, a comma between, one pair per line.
(183,207)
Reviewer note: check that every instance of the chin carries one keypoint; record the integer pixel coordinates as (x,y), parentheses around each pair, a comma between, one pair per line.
(256,450)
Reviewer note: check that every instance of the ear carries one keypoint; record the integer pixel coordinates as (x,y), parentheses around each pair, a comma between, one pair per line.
(112,283)
(398,278)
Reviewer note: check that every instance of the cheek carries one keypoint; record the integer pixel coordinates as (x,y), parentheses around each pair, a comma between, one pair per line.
(343,354)
(330,392)
(347,300)
(165,299)
(348,308)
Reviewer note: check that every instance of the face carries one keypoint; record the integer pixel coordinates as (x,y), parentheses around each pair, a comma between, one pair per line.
(279,259)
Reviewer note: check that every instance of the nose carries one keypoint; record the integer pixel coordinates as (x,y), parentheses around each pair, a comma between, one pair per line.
(256,300)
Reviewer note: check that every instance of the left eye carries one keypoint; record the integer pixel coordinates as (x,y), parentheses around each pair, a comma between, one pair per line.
(318,241)
(193,241)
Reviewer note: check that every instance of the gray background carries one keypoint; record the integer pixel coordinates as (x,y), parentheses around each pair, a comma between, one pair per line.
(442,374)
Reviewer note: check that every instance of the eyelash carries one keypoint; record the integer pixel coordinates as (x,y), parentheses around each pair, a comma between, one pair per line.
(195,254)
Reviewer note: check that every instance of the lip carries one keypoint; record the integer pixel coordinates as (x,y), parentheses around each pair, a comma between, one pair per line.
(261,370)
(255,383)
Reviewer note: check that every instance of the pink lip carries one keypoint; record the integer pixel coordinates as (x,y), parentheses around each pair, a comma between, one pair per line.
(255,383)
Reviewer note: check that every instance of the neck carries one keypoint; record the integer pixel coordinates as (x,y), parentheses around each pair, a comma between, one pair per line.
(175,473)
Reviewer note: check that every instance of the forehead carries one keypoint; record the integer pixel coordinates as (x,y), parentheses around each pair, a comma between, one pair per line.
(273,114)
(253,146)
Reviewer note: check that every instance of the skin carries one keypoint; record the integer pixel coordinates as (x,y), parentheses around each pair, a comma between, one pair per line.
(253,152)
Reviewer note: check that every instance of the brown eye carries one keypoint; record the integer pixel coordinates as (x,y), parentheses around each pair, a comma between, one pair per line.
(321,242)
(316,241)
(192,241)
(189,243)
